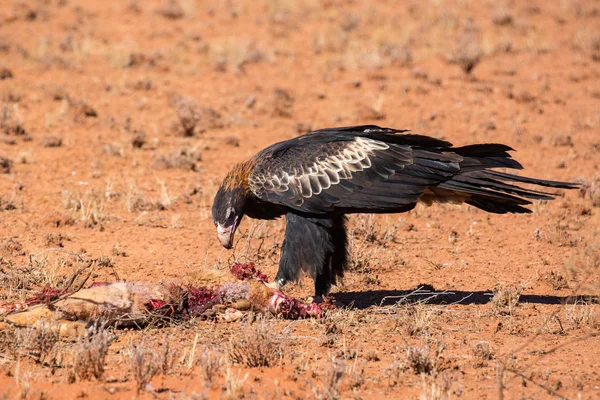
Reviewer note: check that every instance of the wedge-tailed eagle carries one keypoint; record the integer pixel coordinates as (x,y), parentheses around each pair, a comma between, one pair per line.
(316,179)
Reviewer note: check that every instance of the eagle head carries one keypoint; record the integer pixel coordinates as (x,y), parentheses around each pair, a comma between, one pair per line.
(227,212)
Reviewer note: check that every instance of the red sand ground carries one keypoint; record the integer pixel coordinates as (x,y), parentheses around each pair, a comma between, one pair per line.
(97,99)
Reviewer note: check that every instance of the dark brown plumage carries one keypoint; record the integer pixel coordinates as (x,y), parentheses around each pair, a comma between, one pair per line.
(318,178)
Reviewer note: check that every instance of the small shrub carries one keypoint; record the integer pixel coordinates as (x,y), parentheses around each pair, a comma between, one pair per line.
(234,384)
(424,360)
(467,51)
(210,366)
(6,165)
(283,102)
(145,364)
(482,354)
(505,300)
(556,280)
(591,189)
(580,314)
(436,387)
(52,141)
(40,343)
(255,347)
(90,355)
(415,320)
(330,387)
(172,10)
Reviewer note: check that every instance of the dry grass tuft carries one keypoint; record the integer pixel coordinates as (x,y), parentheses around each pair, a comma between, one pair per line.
(171,9)
(283,101)
(505,300)
(210,364)
(256,346)
(90,355)
(145,364)
(234,54)
(40,343)
(23,379)
(591,189)
(418,360)
(185,158)
(52,141)
(424,360)
(360,256)
(11,124)
(330,386)
(6,165)
(556,280)
(234,384)
(136,201)
(467,51)
(588,40)
(436,387)
(194,120)
(482,354)
(415,320)
(502,16)
(366,228)
(138,139)
(83,110)
(335,322)
(580,314)
(114,149)
(167,356)
(87,207)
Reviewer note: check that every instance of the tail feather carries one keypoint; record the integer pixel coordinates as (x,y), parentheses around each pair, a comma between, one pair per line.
(541,182)
(491,155)
(490,190)
(484,150)
(497,207)
(483,179)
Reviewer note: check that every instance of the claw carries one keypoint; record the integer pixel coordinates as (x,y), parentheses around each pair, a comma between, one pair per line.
(315,299)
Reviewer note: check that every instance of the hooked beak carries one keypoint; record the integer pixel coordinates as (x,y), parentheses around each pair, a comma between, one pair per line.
(225,234)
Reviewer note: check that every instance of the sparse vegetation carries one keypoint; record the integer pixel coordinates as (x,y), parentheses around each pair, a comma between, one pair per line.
(234,384)
(591,190)
(436,387)
(194,120)
(505,300)
(254,347)
(424,360)
(467,51)
(23,378)
(145,364)
(482,354)
(210,364)
(89,355)
(5,165)
(186,158)
(580,315)
(415,320)
(40,343)
(332,379)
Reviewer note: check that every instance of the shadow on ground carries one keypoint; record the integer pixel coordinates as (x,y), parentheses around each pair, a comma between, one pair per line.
(428,295)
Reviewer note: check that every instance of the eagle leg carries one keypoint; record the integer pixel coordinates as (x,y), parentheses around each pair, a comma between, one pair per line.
(316,246)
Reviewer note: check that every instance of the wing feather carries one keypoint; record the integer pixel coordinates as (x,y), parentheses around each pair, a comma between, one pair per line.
(357,173)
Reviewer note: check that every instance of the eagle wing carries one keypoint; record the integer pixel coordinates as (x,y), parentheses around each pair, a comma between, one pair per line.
(356,169)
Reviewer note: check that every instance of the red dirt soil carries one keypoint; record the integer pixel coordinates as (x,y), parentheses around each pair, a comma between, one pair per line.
(119,119)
